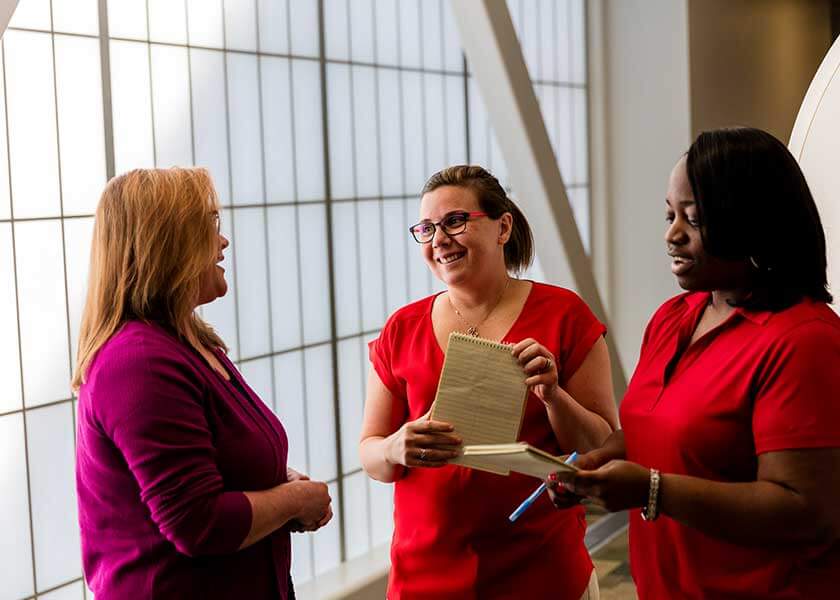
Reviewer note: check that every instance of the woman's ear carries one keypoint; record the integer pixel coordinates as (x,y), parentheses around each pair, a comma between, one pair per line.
(505,227)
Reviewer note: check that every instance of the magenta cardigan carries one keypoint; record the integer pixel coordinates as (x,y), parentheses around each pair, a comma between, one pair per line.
(165,448)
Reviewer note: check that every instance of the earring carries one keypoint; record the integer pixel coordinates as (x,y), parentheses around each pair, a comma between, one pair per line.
(757,266)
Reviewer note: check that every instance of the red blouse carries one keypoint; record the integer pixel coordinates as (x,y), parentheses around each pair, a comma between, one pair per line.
(760,382)
(452,538)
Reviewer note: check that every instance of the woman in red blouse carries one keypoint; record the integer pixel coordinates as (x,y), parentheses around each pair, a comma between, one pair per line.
(731,439)
(452,537)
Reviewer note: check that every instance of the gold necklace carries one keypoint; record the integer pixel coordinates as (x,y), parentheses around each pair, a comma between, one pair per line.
(473,329)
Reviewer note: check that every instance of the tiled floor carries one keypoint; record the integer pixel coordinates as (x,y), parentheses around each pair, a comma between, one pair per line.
(614,570)
(611,564)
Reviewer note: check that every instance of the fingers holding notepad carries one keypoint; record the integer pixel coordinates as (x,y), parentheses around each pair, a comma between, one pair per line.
(539,365)
(423,443)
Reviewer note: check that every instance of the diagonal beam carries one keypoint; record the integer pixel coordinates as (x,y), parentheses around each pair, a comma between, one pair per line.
(495,58)
(7,8)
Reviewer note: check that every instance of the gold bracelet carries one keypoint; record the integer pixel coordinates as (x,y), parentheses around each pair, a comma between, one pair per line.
(651,511)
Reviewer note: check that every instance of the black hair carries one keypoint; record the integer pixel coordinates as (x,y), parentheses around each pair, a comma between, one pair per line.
(754,204)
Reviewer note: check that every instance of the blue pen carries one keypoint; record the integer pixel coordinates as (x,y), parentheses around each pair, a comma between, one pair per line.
(530,499)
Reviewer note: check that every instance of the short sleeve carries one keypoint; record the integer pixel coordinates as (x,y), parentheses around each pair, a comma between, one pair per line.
(579,330)
(151,408)
(796,403)
(382,351)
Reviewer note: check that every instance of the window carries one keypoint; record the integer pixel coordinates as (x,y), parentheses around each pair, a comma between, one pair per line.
(318,155)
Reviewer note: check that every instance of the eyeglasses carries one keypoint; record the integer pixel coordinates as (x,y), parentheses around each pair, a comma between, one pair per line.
(217,223)
(454,223)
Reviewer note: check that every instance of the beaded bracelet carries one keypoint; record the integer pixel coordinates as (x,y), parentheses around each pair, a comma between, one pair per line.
(651,511)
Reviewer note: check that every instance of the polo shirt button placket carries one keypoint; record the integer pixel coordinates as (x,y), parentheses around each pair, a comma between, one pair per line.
(658,397)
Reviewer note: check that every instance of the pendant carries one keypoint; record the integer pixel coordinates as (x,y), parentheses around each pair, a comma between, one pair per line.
(471,330)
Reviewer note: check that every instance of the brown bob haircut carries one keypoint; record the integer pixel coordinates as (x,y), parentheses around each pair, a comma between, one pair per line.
(519,249)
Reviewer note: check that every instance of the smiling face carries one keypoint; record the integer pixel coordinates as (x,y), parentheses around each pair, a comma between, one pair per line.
(477,251)
(694,268)
(213,284)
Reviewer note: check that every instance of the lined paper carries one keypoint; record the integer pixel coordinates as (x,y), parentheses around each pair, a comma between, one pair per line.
(482,394)
(521,458)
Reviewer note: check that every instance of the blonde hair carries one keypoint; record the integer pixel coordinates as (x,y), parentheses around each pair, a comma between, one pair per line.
(153,238)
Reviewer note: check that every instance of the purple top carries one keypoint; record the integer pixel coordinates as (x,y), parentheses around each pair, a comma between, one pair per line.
(165,448)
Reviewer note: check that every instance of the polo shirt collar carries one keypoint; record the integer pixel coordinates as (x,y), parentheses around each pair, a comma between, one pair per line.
(759,317)
(695,299)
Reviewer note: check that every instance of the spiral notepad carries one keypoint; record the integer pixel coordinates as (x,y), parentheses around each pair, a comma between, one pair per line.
(482,393)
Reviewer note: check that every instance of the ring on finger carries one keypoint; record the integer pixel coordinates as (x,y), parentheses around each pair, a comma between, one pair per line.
(546,364)
(422,454)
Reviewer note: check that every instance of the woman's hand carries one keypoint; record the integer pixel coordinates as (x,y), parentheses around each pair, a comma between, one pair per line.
(292,475)
(617,485)
(299,505)
(613,449)
(540,367)
(296,525)
(314,504)
(423,443)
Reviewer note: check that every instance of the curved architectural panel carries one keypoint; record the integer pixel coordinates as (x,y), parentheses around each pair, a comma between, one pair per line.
(815,142)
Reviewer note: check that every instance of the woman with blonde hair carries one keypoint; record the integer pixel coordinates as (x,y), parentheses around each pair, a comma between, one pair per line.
(182,481)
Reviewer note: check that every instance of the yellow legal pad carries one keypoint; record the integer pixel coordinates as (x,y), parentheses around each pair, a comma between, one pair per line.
(482,393)
(520,457)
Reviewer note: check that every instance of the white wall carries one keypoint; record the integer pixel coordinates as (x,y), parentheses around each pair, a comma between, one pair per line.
(647,111)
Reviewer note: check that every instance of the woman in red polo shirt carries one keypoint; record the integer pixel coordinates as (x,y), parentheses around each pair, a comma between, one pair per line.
(731,439)
(452,537)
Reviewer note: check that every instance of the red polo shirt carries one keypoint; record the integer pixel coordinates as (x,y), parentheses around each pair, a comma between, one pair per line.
(760,382)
